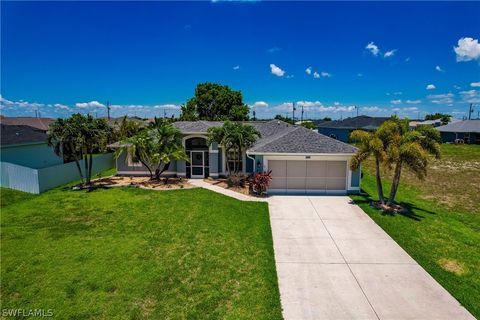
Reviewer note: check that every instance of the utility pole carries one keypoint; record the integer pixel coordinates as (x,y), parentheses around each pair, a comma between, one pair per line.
(254,116)
(108,110)
(470,111)
(302,115)
(36,113)
(293,113)
(357,110)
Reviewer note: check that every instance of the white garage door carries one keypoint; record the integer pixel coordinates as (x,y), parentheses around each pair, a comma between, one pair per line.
(300,176)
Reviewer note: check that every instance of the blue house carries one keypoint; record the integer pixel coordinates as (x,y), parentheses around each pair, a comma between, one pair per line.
(341,129)
(466,131)
(26,146)
(301,160)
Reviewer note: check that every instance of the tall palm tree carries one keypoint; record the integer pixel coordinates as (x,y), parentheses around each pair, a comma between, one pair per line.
(411,148)
(369,144)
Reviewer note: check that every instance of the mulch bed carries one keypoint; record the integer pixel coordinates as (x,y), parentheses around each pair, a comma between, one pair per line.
(140,182)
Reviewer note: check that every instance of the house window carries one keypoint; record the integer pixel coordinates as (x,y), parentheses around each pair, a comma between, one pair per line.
(334,136)
(131,163)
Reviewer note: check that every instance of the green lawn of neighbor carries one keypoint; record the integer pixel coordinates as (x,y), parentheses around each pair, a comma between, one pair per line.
(126,253)
(442,230)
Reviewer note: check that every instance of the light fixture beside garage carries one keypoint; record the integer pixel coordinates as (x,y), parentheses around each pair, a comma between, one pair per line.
(307,157)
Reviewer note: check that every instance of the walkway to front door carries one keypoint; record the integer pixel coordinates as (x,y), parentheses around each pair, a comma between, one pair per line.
(334,262)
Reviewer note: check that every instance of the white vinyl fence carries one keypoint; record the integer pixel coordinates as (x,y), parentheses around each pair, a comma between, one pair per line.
(39,180)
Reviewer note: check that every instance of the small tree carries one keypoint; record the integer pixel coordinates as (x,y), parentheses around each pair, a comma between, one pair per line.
(235,138)
(127,128)
(79,137)
(155,148)
(369,144)
(410,148)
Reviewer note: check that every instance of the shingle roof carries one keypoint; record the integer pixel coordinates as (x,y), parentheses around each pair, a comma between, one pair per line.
(360,122)
(12,134)
(303,141)
(278,137)
(461,126)
(39,123)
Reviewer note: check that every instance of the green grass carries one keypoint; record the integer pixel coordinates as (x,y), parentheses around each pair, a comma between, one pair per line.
(126,253)
(441,235)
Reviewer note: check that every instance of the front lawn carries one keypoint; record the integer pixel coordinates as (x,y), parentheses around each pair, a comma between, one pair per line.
(135,254)
(442,229)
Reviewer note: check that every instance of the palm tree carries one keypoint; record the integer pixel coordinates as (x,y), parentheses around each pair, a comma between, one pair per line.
(155,148)
(64,138)
(369,144)
(79,137)
(234,137)
(128,128)
(411,148)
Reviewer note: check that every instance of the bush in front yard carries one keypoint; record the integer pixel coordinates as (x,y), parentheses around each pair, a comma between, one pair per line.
(259,182)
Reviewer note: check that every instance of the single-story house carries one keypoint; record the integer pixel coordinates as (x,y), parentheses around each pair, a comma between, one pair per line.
(433,123)
(301,160)
(26,146)
(341,129)
(467,131)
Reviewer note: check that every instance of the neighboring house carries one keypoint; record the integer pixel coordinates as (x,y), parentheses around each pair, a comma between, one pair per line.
(341,129)
(38,123)
(433,123)
(467,130)
(26,146)
(301,160)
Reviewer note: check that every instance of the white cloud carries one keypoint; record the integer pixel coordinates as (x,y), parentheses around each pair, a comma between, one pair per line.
(468,49)
(373,48)
(445,98)
(457,87)
(439,69)
(316,75)
(390,53)
(413,101)
(308,70)
(325,74)
(276,70)
(91,104)
(372,109)
(359,75)
(407,59)
(430,87)
(396,101)
(470,96)
(260,104)
(236,67)
(475,84)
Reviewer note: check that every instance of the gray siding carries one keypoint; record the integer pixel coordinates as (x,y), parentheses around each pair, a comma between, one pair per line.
(259,163)
(32,155)
(355,182)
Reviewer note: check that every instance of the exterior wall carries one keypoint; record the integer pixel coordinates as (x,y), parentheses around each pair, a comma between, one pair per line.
(355,178)
(213,163)
(259,167)
(123,168)
(30,155)
(249,166)
(341,134)
(39,180)
(451,136)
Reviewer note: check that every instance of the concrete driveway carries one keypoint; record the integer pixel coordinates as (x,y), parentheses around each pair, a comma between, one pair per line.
(334,262)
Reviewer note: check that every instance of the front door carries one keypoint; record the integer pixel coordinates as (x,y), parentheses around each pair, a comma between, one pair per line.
(197,165)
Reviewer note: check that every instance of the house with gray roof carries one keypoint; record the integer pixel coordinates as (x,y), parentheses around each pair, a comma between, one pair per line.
(467,131)
(301,160)
(341,129)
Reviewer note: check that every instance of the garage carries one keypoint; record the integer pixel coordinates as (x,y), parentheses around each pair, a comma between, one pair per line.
(308,176)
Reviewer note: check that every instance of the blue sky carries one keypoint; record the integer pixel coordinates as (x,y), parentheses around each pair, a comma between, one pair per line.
(64,57)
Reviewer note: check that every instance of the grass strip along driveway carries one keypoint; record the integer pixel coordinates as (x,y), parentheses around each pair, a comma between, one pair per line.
(134,254)
(442,229)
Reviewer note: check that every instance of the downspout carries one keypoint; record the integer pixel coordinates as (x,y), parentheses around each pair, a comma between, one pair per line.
(254,164)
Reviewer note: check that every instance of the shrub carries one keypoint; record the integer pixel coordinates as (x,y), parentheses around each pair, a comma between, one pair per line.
(259,182)
(236,180)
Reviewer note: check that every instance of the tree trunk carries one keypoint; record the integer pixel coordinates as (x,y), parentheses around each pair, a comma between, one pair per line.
(165,168)
(395,183)
(381,199)
(90,165)
(85,163)
(79,170)
(148,168)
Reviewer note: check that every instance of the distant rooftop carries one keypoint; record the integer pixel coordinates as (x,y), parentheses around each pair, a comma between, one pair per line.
(360,122)
(461,126)
(14,134)
(39,123)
